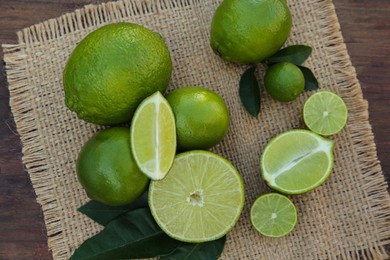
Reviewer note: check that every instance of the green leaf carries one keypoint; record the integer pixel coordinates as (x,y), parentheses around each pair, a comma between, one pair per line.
(103,214)
(296,54)
(191,251)
(135,234)
(249,92)
(310,80)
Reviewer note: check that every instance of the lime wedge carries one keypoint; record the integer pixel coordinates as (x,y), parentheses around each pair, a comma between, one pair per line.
(200,199)
(325,113)
(297,161)
(273,215)
(153,136)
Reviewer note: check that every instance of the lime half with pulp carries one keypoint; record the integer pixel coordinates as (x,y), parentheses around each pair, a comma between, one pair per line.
(297,161)
(200,199)
(325,113)
(273,215)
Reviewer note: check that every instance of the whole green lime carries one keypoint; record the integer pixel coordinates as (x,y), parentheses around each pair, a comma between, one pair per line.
(284,81)
(201,116)
(113,69)
(249,31)
(106,169)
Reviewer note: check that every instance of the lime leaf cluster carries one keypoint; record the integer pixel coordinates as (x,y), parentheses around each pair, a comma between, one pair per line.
(249,90)
(131,232)
(296,54)
(103,214)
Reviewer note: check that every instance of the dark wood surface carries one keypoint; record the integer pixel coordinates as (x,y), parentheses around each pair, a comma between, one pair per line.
(365,26)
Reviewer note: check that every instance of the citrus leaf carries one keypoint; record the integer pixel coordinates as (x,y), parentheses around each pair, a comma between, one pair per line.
(249,92)
(135,234)
(195,251)
(103,214)
(311,82)
(296,54)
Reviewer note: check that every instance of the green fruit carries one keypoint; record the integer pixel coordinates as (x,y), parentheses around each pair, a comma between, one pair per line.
(284,81)
(202,118)
(200,199)
(273,215)
(153,136)
(112,70)
(325,113)
(249,31)
(297,161)
(106,169)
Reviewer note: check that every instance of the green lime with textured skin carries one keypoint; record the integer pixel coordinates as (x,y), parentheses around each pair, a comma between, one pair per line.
(284,81)
(325,113)
(273,215)
(297,161)
(106,169)
(112,70)
(200,199)
(201,115)
(249,31)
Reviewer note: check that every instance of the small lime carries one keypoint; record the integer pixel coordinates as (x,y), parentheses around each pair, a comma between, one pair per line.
(153,136)
(273,215)
(113,69)
(249,31)
(325,113)
(202,118)
(284,81)
(200,199)
(297,161)
(106,168)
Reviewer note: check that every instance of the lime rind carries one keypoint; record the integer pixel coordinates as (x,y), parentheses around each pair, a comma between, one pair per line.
(270,224)
(325,113)
(214,212)
(160,157)
(324,145)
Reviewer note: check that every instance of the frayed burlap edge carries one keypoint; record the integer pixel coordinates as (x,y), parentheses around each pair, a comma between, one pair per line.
(34,156)
(362,136)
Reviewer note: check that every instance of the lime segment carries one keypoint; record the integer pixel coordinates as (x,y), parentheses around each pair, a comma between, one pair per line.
(153,136)
(297,161)
(273,215)
(325,113)
(200,199)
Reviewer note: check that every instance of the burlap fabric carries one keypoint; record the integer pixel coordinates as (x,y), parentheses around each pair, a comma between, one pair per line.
(348,217)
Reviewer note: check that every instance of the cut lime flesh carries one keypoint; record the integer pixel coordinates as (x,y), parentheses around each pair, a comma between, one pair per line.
(297,161)
(200,199)
(273,215)
(153,136)
(325,113)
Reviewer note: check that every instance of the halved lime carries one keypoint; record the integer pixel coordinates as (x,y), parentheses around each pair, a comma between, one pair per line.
(153,136)
(297,161)
(273,215)
(325,113)
(200,199)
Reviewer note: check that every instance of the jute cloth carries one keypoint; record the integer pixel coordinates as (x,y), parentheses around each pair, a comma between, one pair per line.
(348,217)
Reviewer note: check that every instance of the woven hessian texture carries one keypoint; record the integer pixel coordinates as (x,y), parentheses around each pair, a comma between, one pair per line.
(347,217)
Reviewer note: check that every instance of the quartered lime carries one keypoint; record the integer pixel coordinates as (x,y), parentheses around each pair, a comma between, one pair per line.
(200,199)
(153,136)
(325,113)
(273,215)
(297,161)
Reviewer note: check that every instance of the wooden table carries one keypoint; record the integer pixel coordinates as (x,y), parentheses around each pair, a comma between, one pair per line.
(366,28)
